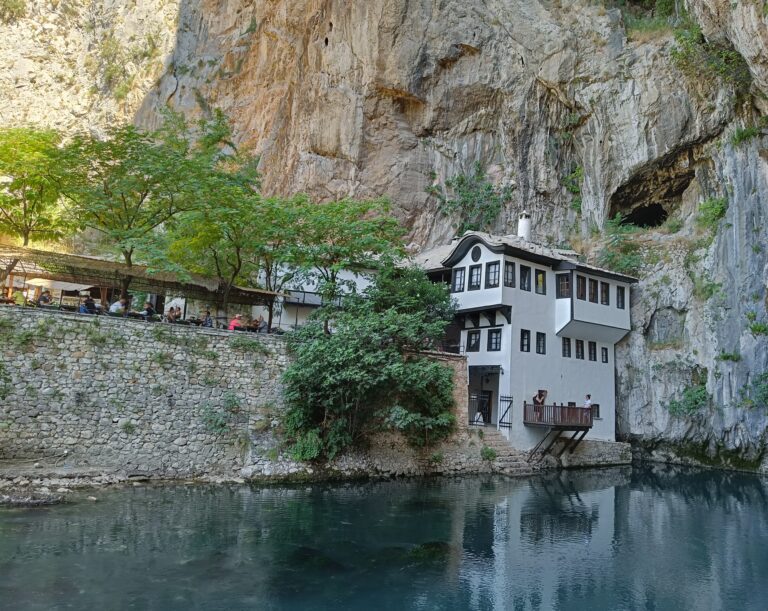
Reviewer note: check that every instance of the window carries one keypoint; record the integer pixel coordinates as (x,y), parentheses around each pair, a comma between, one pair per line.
(509,274)
(525,278)
(604,354)
(492,271)
(475,273)
(592,351)
(541,343)
(580,349)
(581,287)
(494,340)
(592,290)
(541,282)
(563,286)
(457,286)
(473,341)
(620,297)
(567,347)
(605,293)
(596,411)
(525,340)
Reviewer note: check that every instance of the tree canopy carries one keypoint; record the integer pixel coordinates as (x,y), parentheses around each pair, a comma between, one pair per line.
(31,172)
(368,375)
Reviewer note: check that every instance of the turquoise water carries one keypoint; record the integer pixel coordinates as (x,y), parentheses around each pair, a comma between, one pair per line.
(656,538)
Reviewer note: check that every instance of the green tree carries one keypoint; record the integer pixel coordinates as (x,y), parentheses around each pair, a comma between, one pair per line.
(472,199)
(343,235)
(130,184)
(368,374)
(31,171)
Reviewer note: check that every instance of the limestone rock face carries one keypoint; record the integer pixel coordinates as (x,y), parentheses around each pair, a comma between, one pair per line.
(389,97)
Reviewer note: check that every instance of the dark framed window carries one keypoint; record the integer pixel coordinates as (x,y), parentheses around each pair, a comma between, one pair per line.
(592,290)
(592,351)
(541,282)
(620,297)
(604,354)
(457,284)
(473,341)
(525,278)
(525,340)
(581,288)
(492,272)
(475,275)
(494,340)
(476,253)
(509,274)
(563,286)
(541,343)
(580,349)
(567,347)
(596,410)
(605,291)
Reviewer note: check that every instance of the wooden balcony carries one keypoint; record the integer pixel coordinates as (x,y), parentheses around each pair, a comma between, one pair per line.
(565,417)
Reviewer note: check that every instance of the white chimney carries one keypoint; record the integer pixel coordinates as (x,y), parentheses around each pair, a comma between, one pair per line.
(524,226)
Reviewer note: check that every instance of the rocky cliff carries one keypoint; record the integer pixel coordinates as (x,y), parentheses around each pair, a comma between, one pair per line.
(583,116)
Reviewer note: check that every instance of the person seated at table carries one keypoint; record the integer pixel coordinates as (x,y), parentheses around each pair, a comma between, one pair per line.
(260,324)
(207,320)
(170,315)
(45,298)
(88,306)
(119,306)
(148,310)
(236,322)
(18,297)
(178,315)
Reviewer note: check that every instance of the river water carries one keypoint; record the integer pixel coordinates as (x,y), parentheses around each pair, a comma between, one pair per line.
(650,538)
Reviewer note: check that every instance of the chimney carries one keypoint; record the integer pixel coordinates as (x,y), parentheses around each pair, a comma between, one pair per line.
(524,226)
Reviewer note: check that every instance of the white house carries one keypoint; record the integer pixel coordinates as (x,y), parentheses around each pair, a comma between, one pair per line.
(533,318)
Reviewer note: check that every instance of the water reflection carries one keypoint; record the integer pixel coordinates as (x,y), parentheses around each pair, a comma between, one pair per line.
(658,538)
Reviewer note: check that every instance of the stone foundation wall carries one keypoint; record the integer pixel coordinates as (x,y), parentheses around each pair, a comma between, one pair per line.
(144,398)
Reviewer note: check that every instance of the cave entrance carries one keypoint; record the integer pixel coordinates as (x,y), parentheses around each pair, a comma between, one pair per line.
(650,215)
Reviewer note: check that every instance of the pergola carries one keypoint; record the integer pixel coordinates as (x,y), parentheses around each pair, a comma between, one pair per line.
(93,271)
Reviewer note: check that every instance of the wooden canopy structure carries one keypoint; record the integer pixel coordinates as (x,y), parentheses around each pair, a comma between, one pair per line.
(94,271)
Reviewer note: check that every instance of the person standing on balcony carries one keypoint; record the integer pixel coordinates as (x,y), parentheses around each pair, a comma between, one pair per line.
(588,402)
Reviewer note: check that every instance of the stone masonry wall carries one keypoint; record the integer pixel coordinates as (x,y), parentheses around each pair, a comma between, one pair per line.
(119,394)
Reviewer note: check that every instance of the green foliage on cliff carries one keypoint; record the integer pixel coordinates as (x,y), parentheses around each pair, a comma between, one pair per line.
(706,60)
(12,10)
(368,375)
(756,394)
(693,399)
(472,199)
(711,210)
(744,134)
(621,253)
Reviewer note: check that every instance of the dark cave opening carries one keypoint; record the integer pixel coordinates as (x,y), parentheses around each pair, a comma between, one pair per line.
(650,215)
(326,41)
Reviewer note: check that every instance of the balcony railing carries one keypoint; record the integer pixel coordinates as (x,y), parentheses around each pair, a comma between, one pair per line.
(556,415)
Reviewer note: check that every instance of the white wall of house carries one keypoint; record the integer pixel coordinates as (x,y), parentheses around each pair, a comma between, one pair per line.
(567,379)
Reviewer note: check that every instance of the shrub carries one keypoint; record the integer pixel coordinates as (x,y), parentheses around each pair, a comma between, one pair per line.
(12,10)
(216,421)
(734,357)
(744,134)
(693,399)
(711,210)
(487,453)
(473,198)
(758,328)
(756,394)
(620,252)
(5,382)
(246,344)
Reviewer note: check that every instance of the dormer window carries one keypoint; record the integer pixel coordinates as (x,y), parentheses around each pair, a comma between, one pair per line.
(492,272)
(475,275)
(457,286)
(525,278)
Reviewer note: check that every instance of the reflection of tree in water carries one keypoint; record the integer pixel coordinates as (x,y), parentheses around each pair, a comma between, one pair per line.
(555,511)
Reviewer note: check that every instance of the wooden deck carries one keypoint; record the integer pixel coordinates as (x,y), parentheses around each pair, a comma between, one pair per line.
(564,417)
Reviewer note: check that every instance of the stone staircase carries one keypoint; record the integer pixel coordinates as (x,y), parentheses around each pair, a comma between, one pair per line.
(508,461)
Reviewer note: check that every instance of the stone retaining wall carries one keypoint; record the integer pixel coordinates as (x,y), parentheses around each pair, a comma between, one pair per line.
(145,398)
